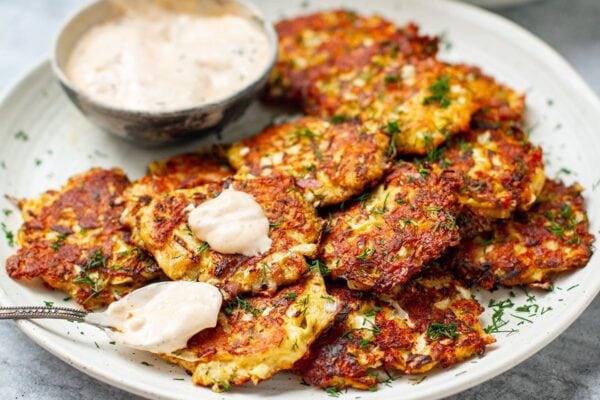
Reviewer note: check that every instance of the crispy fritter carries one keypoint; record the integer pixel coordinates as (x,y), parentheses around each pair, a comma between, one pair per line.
(385,238)
(331,162)
(295,230)
(257,337)
(420,104)
(533,246)
(310,45)
(496,103)
(433,321)
(191,169)
(178,172)
(73,241)
(500,171)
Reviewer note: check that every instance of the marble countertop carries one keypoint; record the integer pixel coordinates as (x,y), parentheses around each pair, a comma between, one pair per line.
(569,368)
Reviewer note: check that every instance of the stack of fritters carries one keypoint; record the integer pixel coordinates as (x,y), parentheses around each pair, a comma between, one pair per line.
(531,247)
(432,321)
(347,201)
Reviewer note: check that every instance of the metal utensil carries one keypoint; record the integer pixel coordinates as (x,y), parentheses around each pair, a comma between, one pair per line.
(44,312)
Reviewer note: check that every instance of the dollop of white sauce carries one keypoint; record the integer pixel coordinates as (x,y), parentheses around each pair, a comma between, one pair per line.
(232,223)
(163,59)
(161,317)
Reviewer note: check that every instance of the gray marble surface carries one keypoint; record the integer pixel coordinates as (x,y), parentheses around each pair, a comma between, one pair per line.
(569,368)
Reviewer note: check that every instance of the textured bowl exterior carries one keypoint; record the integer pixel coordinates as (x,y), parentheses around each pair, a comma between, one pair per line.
(157,129)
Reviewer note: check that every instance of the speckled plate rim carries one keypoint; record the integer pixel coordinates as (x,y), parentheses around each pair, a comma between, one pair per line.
(590,105)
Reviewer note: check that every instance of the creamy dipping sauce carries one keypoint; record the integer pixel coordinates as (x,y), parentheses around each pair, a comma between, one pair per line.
(232,223)
(161,317)
(160,59)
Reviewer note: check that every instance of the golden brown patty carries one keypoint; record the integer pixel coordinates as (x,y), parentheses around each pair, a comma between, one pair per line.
(310,45)
(177,172)
(295,229)
(434,321)
(499,169)
(531,247)
(331,162)
(72,239)
(191,169)
(258,337)
(385,238)
(495,102)
(419,104)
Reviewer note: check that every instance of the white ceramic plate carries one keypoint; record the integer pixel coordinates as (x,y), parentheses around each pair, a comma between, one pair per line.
(562,109)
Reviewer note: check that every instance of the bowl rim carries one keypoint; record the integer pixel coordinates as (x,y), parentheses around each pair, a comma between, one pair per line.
(220,103)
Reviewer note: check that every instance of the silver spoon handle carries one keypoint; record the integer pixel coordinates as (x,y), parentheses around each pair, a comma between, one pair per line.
(33,312)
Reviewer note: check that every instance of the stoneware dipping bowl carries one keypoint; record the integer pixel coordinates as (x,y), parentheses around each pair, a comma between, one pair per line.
(155,127)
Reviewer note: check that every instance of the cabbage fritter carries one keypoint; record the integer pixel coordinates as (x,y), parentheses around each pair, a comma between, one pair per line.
(257,337)
(178,172)
(387,236)
(499,169)
(73,241)
(331,162)
(419,104)
(191,169)
(295,229)
(310,45)
(496,103)
(531,247)
(433,321)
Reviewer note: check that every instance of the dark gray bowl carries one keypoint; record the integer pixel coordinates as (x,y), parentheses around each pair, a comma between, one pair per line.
(152,128)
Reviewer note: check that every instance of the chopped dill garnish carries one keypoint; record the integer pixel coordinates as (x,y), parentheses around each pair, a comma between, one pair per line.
(319,266)
(240,304)
(203,247)
(439,92)
(498,320)
(59,241)
(10,237)
(363,198)
(275,224)
(21,135)
(290,295)
(392,127)
(367,252)
(302,132)
(437,330)
(381,210)
(391,79)
(338,119)
(372,312)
